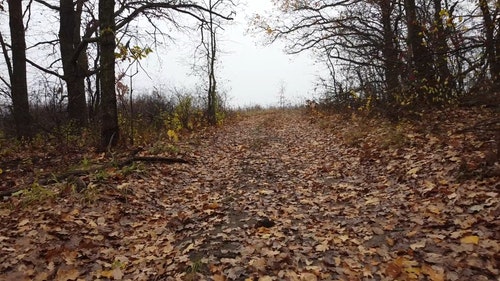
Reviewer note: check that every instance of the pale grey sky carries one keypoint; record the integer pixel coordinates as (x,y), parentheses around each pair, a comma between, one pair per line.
(250,72)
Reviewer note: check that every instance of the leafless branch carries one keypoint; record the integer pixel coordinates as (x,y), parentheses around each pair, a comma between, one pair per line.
(46,70)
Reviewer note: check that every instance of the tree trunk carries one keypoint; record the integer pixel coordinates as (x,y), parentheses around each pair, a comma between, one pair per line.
(74,69)
(212,82)
(492,48)
(422,64)
(389,51)
(441,51)
(110,133)
(19,86)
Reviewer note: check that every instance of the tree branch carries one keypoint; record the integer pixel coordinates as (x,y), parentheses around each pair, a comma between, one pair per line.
(6,57)
(32,63)
(48,5)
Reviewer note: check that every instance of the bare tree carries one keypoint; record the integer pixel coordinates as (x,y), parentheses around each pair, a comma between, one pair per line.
(400,52)
(17,74)
(110,22)
(421,59)
(491,23)
(392,68)
(356,36)
(209,28)
(74,59)
(441,49)
(211,48)
(110,132)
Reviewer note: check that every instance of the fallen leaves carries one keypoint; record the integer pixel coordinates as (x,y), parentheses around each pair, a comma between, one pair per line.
(270,197)
(65,273)
(471,239)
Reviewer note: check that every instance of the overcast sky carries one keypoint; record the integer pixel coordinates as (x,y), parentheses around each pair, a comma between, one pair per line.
(249,72)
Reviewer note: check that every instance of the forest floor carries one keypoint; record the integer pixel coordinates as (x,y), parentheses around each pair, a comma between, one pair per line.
(271,195)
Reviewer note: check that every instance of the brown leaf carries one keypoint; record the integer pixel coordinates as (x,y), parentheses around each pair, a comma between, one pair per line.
(218,277)
(259,264)
(65,273)
(395,268)
(307,276)
(117,274)
(435,273)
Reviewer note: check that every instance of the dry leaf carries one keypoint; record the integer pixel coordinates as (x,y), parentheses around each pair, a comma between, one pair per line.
(259,264)
(65,273)
(434,209)
(307,276)
(346,202)
(117,274)
(413,171)
(322,247)
(435,273)
(23,222)
(472,239)
(418,245)
(393,270)
(218,277)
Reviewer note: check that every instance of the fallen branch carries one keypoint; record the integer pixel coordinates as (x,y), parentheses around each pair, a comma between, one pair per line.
(54,178)
(152,159)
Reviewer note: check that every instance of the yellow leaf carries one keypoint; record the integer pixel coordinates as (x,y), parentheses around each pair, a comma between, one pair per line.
(472,239)
(107,273)
(413,272)
(172,135)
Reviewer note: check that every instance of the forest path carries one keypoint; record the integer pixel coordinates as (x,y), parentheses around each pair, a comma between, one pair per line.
(273,195)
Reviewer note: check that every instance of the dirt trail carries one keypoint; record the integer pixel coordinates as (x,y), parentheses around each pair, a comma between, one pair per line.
(272,196)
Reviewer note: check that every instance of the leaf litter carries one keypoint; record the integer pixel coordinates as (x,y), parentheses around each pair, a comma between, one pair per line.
(274,195)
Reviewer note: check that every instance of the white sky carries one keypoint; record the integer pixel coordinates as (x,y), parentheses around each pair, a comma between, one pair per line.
(249,72)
